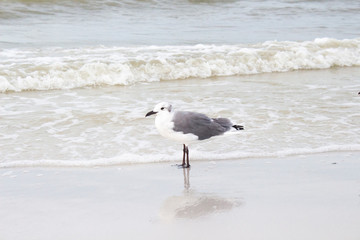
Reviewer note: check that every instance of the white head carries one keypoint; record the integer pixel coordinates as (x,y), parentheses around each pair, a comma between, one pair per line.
(160,108)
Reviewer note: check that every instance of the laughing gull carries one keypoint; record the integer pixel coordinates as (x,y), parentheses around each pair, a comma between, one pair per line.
(188,127)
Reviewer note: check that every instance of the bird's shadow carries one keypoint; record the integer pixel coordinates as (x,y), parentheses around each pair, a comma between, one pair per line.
(191,204)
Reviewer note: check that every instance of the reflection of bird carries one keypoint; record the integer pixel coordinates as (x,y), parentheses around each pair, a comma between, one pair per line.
(192,204)
(186,172)
(187,127)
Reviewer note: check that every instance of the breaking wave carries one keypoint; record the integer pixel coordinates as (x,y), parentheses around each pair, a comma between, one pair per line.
(67,68)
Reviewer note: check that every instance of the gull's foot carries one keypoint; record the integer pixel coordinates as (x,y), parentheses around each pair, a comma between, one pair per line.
(182,165)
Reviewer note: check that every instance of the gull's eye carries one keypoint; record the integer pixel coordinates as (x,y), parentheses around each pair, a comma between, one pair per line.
(162,108)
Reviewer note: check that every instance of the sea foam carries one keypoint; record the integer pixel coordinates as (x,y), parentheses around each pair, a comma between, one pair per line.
(126,159)
(67,68)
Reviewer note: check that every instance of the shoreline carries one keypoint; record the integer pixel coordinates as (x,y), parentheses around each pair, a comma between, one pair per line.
(99,163)
(297,197)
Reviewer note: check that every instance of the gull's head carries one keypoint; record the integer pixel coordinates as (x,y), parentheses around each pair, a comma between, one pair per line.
(160,108)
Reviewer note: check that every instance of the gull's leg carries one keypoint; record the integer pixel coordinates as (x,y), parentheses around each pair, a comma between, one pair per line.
(187,157)
(184,152)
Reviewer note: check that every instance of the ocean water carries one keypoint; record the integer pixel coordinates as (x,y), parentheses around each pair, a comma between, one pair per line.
(78,77)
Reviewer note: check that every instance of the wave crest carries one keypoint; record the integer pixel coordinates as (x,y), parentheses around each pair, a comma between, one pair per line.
(62,68)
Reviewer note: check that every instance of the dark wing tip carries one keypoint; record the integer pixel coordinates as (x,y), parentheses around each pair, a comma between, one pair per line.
(238,127)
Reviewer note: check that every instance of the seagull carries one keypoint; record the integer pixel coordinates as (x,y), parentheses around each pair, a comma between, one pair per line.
(188,127)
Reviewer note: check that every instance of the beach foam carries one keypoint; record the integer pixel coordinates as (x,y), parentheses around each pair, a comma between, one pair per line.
(126,159)
(63,68)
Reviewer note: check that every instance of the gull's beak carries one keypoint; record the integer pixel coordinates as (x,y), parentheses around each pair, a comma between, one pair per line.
(150,113)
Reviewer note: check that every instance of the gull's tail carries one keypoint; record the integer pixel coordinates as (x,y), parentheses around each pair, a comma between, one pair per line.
(226,124)
(238,127)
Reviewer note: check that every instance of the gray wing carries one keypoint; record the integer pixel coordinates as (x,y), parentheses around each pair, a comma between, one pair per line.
(200,125)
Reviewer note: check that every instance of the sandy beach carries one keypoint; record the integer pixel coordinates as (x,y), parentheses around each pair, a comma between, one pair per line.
(298,197)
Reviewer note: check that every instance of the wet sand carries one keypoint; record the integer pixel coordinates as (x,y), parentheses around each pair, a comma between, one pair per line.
(298,197)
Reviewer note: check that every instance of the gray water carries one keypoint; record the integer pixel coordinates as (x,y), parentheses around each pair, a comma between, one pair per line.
(161,22)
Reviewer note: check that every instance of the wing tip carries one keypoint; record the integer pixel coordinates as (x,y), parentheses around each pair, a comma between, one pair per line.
(238,127)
